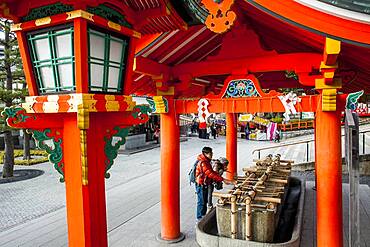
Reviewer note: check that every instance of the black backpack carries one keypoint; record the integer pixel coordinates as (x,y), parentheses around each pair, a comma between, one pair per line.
(191,174)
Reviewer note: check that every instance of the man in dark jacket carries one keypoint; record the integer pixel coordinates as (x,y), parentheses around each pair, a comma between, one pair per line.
(205,175)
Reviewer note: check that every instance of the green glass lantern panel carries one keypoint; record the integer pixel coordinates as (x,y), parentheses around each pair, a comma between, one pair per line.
(107,61)
(53,59)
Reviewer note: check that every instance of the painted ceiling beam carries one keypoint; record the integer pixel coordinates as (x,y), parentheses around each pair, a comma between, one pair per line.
(149,67)
(298,62)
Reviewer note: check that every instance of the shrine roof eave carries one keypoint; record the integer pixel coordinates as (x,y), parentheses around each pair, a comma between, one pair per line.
(321,21)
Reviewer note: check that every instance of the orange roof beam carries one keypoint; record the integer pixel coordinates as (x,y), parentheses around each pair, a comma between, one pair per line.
(298,62)
(151,68)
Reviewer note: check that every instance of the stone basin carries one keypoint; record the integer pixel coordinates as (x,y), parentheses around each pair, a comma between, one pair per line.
(287,233)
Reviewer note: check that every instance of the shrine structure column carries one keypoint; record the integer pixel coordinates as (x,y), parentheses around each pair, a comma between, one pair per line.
(328,151)
(170,169)
(329,178)
(231,144)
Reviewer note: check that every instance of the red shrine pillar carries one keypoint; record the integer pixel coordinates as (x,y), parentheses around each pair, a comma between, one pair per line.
(231,145)
(329,178)
(170,176)
(86,209)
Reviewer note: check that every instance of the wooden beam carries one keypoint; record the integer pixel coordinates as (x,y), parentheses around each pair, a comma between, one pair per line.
(246,105)
(331,51)
(298,62)
(149,67)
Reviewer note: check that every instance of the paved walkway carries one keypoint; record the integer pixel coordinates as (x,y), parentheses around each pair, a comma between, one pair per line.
(33,211)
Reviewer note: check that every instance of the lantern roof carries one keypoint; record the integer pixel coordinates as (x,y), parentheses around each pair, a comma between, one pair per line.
(174,34)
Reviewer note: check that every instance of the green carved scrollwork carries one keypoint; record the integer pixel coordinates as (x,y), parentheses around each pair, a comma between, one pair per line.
(111,151)
(53,9)
(55,154)
(14,114)
(109,14)
(151,105)
(140,110)
(352,98)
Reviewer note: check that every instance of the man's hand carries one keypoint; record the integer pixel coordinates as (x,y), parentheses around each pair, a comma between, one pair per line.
(228,181)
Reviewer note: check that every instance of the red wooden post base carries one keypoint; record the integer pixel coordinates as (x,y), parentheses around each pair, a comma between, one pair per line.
(329,179)
(86,211)
(231,145)
(170,177)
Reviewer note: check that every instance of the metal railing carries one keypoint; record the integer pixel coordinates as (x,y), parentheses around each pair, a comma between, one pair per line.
(307,142)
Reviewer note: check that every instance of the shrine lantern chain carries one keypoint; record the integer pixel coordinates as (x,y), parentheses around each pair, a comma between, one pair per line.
(77,64)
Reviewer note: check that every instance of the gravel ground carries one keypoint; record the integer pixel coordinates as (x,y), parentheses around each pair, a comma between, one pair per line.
(310,176)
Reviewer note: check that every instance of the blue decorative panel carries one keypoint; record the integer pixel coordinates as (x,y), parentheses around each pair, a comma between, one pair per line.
(241,88)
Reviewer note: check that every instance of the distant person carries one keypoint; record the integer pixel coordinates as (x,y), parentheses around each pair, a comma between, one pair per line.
(213,131)
(277,136)
(204,176)
(156,134)
(246,130)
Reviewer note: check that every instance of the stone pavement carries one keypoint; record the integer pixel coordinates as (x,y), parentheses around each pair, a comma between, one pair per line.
(33,211)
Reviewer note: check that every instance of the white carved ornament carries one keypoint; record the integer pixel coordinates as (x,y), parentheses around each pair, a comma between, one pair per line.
(203,112)
(288,102)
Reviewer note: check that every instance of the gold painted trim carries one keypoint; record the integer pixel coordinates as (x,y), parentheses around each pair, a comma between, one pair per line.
(79,14)
(170,91)
(16,27)
(136,35)
(84,165)
(320,84)
(43,21)
(114,26)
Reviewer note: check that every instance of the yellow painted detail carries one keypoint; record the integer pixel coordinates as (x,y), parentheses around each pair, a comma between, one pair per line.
(170,91)
(83,118)
(84,165)
(136,35)
(114,25)
(320,84)
(323,66)
(158,84)
(43,21)
(79,14)
(168,11)
(130,103)
(16,27)
(329,99)
(332,46)
(111,104)
(329,75)
(160,105)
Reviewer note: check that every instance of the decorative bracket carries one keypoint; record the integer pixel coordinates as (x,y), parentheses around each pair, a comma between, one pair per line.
(158,104)
(239,86)
(51,142)
(16,116)
(140,114)
(111,151)
(289,101)
(352,100)
(220,18)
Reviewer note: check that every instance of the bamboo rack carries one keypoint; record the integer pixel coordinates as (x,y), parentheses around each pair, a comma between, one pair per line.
(262,187)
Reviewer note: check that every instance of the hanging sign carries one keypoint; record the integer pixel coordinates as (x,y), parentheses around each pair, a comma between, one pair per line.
(254,119)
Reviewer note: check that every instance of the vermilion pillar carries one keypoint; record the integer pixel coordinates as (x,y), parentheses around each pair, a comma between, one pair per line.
(170,176)
(231,145)
(329,179)
(86,210)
